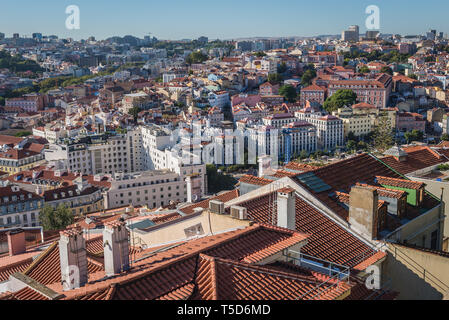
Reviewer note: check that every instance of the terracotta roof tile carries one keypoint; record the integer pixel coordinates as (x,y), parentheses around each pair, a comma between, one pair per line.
(401,183)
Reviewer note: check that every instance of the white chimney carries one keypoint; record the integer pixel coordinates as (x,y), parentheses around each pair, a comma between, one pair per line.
(72,254)
(286,205)
(116,248)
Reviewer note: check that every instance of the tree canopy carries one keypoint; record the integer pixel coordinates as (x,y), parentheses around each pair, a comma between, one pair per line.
(55,219)
(307,77)
(343,97)
(274,78)
(217,181)
(414,135)
(383,134)
(288,92)
(387,70)
(134,111)
(196,57)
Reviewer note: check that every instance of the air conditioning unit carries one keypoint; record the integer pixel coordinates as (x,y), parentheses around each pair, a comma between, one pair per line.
(216,206)
(239,213)
(15,189)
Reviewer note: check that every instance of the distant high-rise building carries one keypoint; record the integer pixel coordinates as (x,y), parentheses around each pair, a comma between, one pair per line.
(2,36)
(15,36)
(431,35)
(203,40)
(351,35)
(37,36)
(244,45)
(371,35)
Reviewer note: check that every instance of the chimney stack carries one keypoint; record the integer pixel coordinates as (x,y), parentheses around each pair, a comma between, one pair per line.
(16,242)
(72,254)
(116,247)
(286,205)
(363,210)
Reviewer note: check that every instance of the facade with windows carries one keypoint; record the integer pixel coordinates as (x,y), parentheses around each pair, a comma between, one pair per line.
(150,188)
(19,208)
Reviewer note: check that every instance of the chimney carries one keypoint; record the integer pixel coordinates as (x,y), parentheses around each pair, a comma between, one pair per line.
(72,254)
(194,192)
(363,210)
(16,242)
(286,205)
(116,248)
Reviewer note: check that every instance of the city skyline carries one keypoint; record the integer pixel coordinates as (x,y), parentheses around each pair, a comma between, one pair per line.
(250,18)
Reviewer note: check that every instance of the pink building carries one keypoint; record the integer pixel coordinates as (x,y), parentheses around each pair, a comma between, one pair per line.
(313,93)
(267,89)
(251,100)
(27,104)
(408,121)
(373,91)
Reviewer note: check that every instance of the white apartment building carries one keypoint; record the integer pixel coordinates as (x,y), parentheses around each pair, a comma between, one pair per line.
(330,129)
(278,120)
(159,151)
(100,154)
(154,189)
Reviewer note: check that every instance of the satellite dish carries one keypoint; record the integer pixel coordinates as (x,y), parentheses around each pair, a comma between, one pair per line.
(195,197)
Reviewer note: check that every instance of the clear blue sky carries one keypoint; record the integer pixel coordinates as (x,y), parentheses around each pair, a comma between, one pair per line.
(224,19)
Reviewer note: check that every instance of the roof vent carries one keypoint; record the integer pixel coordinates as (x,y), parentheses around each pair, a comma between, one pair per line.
(397,152)
(240,213)
(216,206)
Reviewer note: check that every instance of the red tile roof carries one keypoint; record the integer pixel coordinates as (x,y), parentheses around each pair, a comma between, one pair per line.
(255,180)
(20,266)
(401,183)
(46,269)
(417,158)
(327,241)
(170,274)
(24,294)
(224,279)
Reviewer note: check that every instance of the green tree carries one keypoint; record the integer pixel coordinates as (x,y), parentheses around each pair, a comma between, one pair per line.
(196,57)
(364,69)
(274,78)
(445,137)
(282,67)
(22,134)
(343,97)
(383,134)
(218,182)
(414,135)
(303,154)
(413,76)
(288,92)
(307,77)
(134,111)
(55,219)
(260,54)
(351,145)
(386,70)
